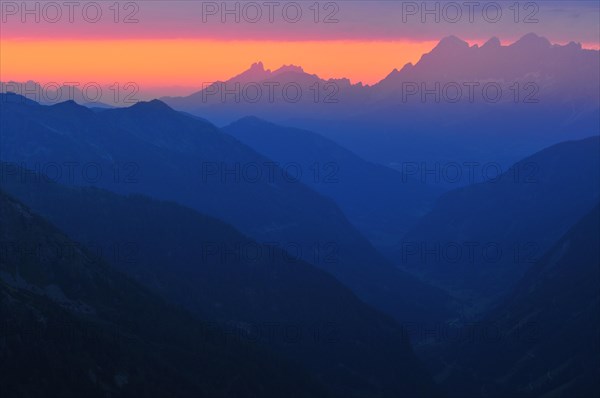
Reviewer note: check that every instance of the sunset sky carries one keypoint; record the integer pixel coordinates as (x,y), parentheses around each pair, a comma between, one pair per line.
(176,46)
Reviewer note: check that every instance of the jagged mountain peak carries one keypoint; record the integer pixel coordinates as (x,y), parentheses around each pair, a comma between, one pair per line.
(289,68)
(532,41)
(451,43)
(492,43)
(154,105)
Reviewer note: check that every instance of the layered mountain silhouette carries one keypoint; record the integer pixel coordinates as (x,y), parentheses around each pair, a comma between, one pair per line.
(73,326)
(458,104)
(434,234)
(543,339)
(149,148)
(53,93)
(382,203)
(561,72)
(546,94)
(479,240)
(287,91)
(255,292)
(146,252)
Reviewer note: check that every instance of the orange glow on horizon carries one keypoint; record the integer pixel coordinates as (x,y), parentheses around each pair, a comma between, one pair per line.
(192,62)
(182,66)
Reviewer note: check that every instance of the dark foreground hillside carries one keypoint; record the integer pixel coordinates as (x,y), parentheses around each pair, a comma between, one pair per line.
(73,327)
(255,292)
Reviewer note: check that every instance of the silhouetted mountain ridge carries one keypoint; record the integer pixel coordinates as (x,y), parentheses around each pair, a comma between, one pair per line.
(382,203)
(170,156)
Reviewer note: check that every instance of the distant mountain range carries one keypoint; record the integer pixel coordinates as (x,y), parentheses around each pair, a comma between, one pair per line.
(556,72)
(532,58)
(54,93)
(513,100)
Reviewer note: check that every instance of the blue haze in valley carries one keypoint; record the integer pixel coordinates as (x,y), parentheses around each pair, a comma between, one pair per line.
(436,234)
